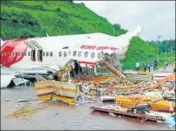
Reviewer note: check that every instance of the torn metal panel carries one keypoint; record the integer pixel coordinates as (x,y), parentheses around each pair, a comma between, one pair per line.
(6,80)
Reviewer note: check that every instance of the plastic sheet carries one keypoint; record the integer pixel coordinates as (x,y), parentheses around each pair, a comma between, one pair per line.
(171,121)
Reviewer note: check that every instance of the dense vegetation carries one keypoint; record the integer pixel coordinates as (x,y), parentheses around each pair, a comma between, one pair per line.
(33,19)
(165,46)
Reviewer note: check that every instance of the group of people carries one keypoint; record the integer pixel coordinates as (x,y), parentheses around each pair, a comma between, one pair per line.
(148,66)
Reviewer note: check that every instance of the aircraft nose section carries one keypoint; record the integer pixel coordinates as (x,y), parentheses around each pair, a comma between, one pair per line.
(15,46)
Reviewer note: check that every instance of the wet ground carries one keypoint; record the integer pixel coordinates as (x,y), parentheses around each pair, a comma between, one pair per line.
(63,117)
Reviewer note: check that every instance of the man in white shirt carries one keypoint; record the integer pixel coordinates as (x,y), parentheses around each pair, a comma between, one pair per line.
(137,66)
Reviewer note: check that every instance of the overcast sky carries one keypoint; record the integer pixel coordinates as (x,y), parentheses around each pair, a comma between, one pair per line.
(157,17)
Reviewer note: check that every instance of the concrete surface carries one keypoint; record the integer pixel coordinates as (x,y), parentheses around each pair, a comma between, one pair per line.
(62,117)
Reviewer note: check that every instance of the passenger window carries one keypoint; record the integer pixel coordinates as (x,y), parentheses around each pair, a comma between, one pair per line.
(79,54)
(65,54)
(29,53)
(43,53)
(100,55)
(74,53)
(60,54)
(51,54)
(86,54)
(47,53)
(92,54)
(17,53)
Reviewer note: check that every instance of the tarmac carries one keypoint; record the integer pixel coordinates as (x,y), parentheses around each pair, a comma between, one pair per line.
(64,117)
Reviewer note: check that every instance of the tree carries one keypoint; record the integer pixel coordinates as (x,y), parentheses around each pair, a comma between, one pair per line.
(116,26)
(70,1)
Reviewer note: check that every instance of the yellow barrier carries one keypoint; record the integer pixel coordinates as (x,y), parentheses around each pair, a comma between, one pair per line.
(44,90)
(65,92)
(70,101)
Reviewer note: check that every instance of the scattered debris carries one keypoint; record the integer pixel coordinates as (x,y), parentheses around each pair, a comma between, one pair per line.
(107,98)
(27,110)
(26,100)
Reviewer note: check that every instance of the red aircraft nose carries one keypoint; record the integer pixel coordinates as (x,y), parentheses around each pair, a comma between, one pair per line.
(14,46)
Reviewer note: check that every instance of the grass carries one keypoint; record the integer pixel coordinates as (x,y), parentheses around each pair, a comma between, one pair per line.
(33,19)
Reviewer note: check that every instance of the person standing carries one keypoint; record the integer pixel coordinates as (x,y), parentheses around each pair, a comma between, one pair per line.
(155,64)
(137,66)
(145,67)
(149,66)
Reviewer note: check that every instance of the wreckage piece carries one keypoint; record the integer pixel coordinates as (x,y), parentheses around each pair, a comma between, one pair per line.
(161,76)
(107,98)
(11,81)
(65,92)
(44,90)
(111,109)
(139,76)
(60,91)
(170,77)
(65,89)
(157,104)
(113,69)
(6,80)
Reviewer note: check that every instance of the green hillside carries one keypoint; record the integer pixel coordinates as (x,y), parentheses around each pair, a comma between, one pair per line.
(33,19)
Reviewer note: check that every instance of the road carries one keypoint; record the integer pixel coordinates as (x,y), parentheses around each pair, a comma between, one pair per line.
(63,117)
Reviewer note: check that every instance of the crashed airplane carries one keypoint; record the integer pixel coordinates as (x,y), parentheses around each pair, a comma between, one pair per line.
(46,56)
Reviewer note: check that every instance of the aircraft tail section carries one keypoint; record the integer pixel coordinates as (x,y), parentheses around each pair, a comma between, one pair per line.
(123,41)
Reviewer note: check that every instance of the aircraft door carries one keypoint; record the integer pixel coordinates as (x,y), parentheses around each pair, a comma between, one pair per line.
(40,55)
(33,52)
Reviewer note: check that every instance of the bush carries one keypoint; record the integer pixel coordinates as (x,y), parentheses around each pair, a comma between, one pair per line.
(27,33)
